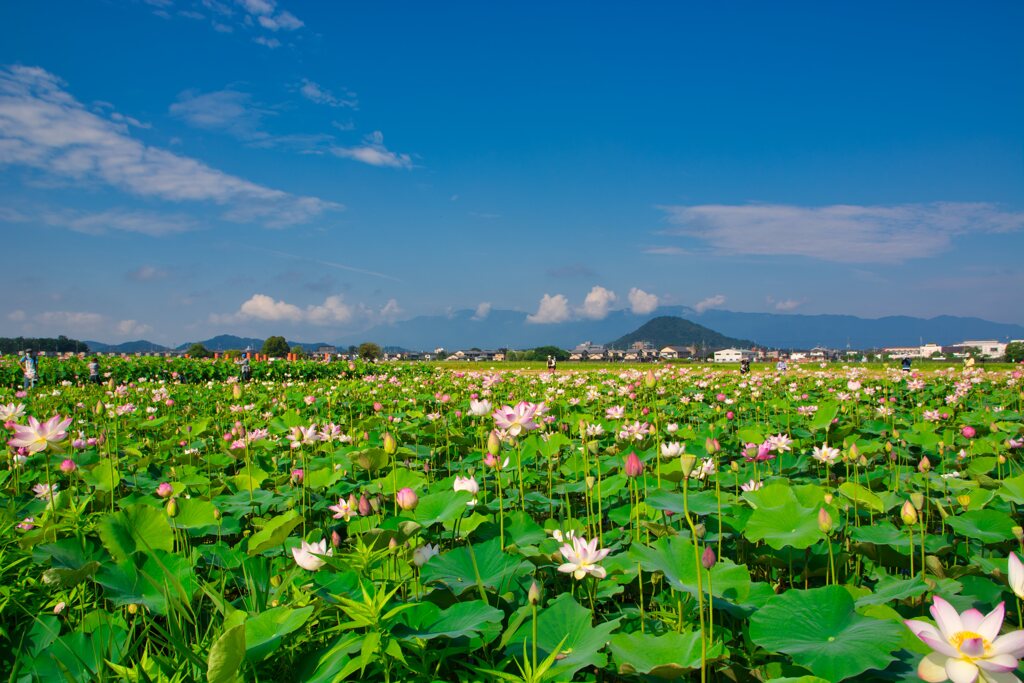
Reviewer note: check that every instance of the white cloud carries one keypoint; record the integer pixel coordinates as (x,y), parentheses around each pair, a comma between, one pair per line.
(17,316)
(552,309)
(843,233)
(710,302)
(147,274)
(597,303)
(642,303)
(227,110)
(784,304)
(314,92)
(272,43)
(141,222)
(333,311)
(666,251)
(133,328)
(44,127)
(373,152)
(483,310)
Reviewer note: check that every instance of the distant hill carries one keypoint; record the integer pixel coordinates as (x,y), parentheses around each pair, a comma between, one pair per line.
(671,331)
(228,342)
(138,346)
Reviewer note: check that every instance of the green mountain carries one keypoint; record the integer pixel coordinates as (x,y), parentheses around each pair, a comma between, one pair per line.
(669,331)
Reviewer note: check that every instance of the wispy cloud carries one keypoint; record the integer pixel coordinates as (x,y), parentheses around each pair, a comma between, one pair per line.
(710,302)
(374,153)
(260,18)
(666,251)
(314,92)
(482,310)
(120,220)
(74,323)
(147,274)
(44,127)
(842,233)
(228,110)
(329,264)
(552,309)
(641,302)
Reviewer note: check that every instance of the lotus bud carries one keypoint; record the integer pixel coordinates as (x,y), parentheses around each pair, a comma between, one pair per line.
(968,432)
(407,499)
(734,466)
(925,464)
(918,500)
(828,499)
(390,445)
(493,443)
(908,514)
(854,452)
(98,410)
(649,380)
(172,508)
(1001,458)
(533,596)
(275,580)
(352,502)
(1018,533)
(392,544)
(707,558)
(888,446)
(164,490)
(687,461)
(634,468)
(712,446)
(133,608)
(964,500)
(590,483)
(824,521)
(216,514)
(375,503)
(863,461)
(236,391)
(335,538)
(364,506)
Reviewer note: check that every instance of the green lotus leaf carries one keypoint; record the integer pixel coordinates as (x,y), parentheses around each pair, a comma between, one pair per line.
(438,508)
(463,619)
(265,631)
(565,621)
(819,630)
(781,520)
(668,656)
(455,568)
(136,528)
(987,526)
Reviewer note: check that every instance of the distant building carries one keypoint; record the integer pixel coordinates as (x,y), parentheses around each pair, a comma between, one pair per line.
(588,351)
(673,352)
(733,355)
(987,349)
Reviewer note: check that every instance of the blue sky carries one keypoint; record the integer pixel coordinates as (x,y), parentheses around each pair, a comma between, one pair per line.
(172,169)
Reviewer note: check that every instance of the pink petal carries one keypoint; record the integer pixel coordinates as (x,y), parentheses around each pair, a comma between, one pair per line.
(932,669)
(1010,644)
(989,627)
(961,671)
(946,617)
(971,619)
(998,663)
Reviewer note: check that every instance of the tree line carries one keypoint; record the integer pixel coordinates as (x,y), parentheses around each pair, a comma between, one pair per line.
(61,344)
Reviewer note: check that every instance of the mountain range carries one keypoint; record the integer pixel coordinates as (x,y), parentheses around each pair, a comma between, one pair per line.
(512,329)
(670,331)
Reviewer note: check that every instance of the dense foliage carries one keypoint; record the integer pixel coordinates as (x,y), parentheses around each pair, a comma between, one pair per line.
(349,522)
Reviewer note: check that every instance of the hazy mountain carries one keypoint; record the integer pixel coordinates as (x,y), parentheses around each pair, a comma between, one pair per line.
(138,346)
(228,342)
(669,331)
(503,328)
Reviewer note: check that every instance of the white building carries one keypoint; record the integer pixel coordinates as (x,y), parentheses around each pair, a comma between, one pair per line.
(988,348)
(733,355)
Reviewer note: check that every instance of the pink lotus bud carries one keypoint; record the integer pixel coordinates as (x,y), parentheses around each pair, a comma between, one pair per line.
(490,460)
(924,465)
(377,407)
(298,475)
(708,559)
(364,506)
(534,594)
(908,513)
(634,468)
(968,432)
(68,466)
(824,521)
(493,443)
(730,415)
(407,499)
(335,538)
(164,490)
(712,446)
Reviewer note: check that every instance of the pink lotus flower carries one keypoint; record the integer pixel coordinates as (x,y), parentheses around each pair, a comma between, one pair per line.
(633,468)
(967,646)
(309,556)
(68,466)
(581,558)
(517,419)
(164,490)
(968,432)
(343,510)
(37,437)
(407,499)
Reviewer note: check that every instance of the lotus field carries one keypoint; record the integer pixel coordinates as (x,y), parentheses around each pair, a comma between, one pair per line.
(415,523)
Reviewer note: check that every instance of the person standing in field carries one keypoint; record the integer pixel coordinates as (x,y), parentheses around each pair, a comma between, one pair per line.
(551,363)
(781,366)
(94,370)
(29,369)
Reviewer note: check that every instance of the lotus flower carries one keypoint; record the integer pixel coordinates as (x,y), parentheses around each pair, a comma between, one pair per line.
(421,555)
(306,556)
(633,468)
(967,646)
(407,499)
(343,510)
(38,436)
(581,558)
(466,484)
(1016,575)
(479,408)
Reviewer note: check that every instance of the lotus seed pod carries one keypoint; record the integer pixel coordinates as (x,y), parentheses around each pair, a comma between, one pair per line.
(918,500)
(700,529)
(275,580)
(734,466)
(590,483)
(908,514)
(687,462)
(133,608)
(1018,533)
